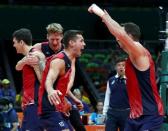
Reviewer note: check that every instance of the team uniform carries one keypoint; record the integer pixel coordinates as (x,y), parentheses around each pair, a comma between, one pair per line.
(116,106)
(146,108)
(30,99)
(51,117)
(74,113)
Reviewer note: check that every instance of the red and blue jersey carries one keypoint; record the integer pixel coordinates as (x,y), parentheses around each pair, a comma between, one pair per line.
(30,86)
(60,84)
(142,91)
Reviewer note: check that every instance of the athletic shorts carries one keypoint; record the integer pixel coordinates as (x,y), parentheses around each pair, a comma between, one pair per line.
(53,122)
(30,118)
(144,123)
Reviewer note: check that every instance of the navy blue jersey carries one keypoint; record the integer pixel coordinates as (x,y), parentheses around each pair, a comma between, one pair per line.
(142,90)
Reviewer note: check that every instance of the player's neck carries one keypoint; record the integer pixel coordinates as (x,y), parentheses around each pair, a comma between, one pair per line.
(69,54)
(27,49)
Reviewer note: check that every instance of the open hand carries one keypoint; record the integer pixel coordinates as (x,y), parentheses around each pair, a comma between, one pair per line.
(54,97)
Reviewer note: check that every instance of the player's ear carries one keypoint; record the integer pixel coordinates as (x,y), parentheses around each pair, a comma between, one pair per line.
(21,42)
(71,42)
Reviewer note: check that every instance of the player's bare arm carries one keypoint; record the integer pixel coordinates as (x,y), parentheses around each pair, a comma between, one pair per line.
(20,64)
(57,68)
(35,59)
(39,66)
(136,52)
(72,77)
(76,100)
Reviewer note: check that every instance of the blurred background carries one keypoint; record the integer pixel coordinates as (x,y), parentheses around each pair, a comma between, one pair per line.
(96,65)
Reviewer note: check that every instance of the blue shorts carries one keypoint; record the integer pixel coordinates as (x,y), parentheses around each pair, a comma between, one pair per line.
(53,122)
(144,123)
(30,118)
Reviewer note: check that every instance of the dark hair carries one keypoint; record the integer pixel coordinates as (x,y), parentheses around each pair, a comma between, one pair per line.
(120,59)
(133,29)
(70,35)
(23,34)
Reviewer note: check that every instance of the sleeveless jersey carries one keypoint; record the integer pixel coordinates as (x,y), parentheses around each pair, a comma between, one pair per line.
(30,86)
(142,90)
(60,84)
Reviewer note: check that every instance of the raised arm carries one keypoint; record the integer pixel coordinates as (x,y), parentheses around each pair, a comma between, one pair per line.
(115,29)
(135,50)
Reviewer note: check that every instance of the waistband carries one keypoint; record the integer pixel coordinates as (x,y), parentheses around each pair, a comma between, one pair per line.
(27,104)
(119,109)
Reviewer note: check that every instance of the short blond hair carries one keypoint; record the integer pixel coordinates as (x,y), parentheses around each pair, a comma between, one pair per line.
(54,28)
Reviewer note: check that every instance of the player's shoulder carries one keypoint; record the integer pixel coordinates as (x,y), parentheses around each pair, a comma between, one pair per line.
(37,46)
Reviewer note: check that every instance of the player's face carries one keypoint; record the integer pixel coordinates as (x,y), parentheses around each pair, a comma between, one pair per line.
(79,45)
(55,41)
(120,68)
(18,45)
